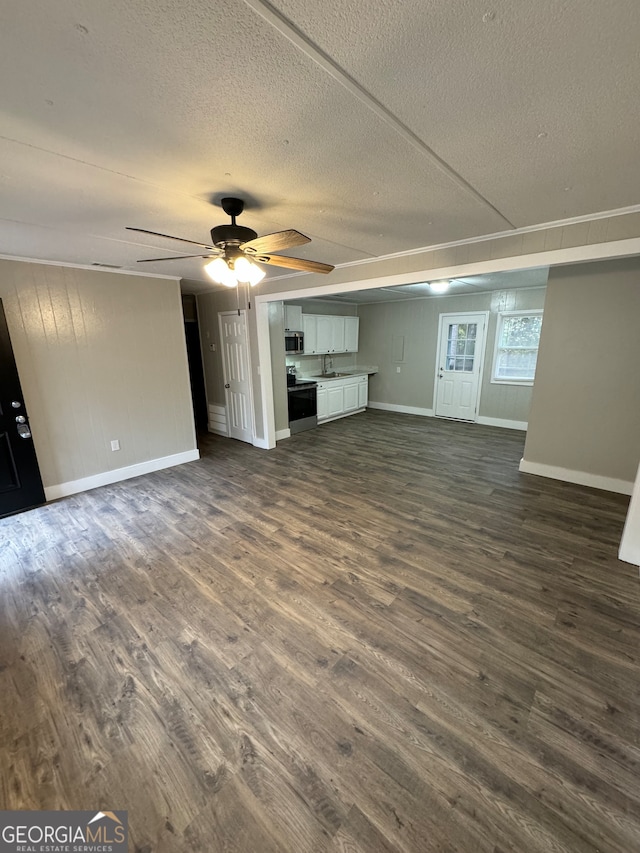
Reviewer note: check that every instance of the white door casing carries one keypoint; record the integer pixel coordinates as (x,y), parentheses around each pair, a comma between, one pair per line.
(460,360)
(236,366)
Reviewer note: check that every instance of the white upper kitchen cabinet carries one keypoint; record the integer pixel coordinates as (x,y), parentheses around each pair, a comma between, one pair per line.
(310,332)
(292,318)
(324,339)
(337,334)
(326,333)
(351,329)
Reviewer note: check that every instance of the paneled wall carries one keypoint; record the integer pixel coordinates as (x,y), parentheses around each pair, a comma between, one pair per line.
(101,356)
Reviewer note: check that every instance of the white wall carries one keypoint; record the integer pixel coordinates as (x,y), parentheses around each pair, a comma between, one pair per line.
(101,356)
(585,411)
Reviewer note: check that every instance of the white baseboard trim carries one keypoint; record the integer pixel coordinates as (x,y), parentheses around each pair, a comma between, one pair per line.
(406,410)
(503,422)
(283,433)
(581,478)
(429,413)
(262,443)
(106,478)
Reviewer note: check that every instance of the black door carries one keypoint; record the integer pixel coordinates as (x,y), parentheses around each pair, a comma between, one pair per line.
(20,483)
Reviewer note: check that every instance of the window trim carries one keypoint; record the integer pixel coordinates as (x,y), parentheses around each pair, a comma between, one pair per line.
(534,312)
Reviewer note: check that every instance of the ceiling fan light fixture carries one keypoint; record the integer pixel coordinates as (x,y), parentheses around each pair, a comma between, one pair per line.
(246,271)
(219,271)
(230,273)
(439,286)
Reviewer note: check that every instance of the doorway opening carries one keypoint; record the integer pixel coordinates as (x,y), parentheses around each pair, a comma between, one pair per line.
(194,358)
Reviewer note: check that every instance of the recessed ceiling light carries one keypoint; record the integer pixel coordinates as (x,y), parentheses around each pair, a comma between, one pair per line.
(439,286)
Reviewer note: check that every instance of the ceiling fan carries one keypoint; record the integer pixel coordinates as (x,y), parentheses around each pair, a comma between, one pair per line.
(234,247)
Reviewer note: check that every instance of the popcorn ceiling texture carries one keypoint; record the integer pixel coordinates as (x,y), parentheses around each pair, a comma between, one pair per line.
(374,128)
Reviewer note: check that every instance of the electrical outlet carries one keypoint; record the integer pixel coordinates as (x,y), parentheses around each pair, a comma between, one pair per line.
(398,369)
(115,444)
(212,347)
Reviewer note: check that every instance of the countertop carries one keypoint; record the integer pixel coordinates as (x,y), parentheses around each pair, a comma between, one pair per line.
(346,373)
(302,383)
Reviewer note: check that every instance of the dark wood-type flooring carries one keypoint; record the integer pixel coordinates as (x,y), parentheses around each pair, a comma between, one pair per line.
(377,638)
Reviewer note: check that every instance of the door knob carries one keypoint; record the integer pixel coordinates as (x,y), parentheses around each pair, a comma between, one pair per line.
(21,419)
(16,404)
(227,385)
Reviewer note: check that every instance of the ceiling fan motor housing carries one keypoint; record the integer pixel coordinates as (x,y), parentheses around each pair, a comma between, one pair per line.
(237,234)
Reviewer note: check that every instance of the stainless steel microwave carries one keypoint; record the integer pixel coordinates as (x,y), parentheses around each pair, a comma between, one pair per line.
(293,343)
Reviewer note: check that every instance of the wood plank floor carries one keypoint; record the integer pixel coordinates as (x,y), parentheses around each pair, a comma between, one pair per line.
(377,638)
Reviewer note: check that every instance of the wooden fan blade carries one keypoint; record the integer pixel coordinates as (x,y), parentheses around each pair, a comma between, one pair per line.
(294,263)
(172,258)
(169,237)
(276,242)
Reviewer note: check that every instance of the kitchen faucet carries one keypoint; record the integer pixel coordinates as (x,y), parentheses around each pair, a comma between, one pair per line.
(324,363)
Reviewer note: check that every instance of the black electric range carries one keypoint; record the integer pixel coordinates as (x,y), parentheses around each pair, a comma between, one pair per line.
(303,406)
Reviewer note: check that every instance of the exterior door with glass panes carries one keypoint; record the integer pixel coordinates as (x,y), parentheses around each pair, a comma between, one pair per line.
(460,357)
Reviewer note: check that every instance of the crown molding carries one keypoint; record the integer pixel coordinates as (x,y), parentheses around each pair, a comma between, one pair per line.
(87,267)
(483,238)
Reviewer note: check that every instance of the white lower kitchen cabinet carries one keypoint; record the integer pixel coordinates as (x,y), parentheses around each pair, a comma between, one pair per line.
(363,392)
(335,401)
(322,403)
(351,396)
(340,397)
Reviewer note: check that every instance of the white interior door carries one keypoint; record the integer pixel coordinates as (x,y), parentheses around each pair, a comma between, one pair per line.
(236,366)
(460,357)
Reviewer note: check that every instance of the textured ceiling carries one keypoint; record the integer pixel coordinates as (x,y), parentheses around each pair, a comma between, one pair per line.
(485,283)
(411,125)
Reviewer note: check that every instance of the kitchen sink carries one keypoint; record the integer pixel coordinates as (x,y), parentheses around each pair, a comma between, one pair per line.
(332,375)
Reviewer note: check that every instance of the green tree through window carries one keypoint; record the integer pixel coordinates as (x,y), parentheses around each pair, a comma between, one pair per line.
(517,341)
